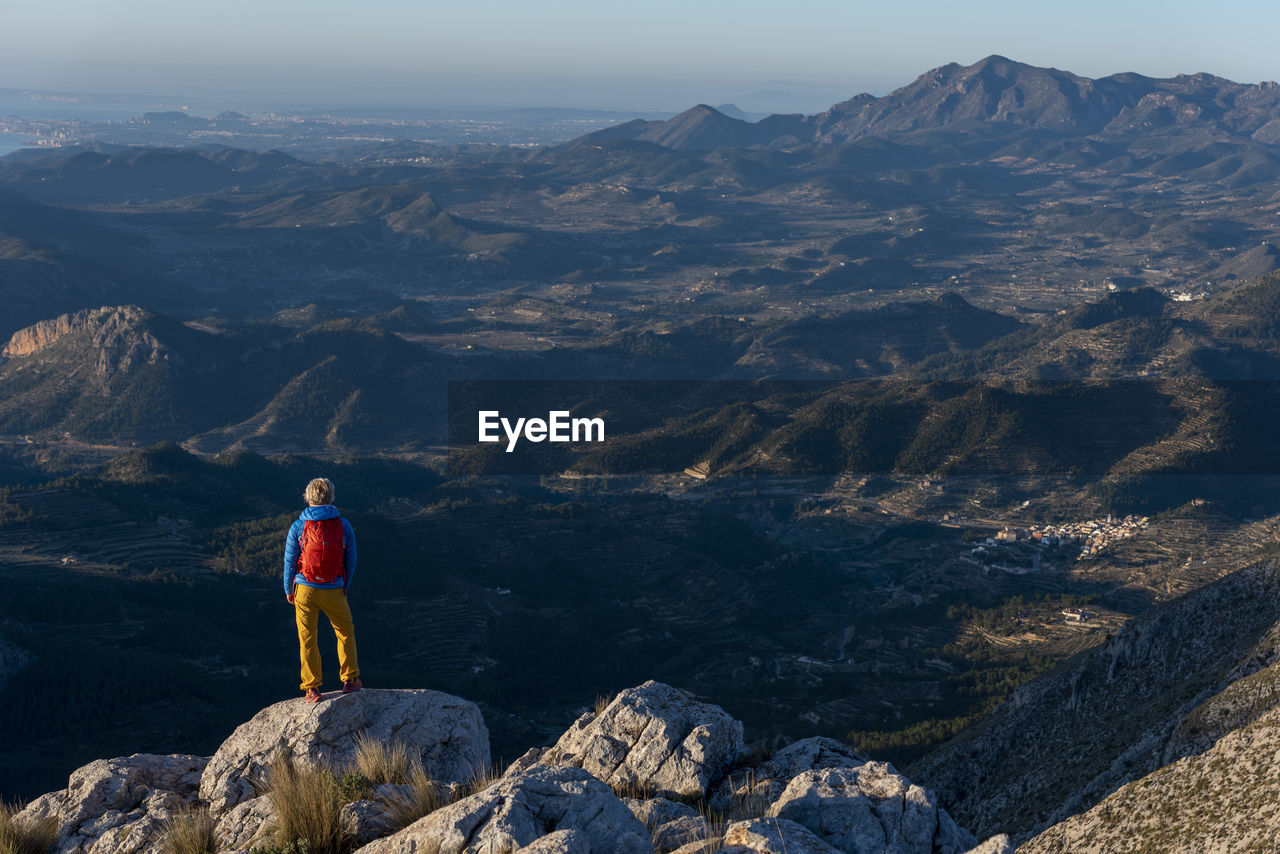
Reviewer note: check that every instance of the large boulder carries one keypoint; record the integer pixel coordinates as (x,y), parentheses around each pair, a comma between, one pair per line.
(520,810)
(750,791)
(446,731)
(653,738)
(119,805)
(870,809)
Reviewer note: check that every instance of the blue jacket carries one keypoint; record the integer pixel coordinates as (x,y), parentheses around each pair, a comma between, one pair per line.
(293,550)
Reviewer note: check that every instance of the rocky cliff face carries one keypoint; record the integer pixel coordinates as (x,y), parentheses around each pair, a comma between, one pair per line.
(109,329)
(815,796)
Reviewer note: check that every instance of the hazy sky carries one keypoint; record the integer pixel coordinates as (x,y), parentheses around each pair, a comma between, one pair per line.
(654,54)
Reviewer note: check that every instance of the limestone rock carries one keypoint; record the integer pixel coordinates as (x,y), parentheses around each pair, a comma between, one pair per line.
(775,836)
(119,805)
(447,732)
(870,808)
(526,760)
(518,811)
(679,832)
(246,825)
(995,845)
(653,737)
(559,842)
(654,812)
(46,806)
(752,790)
(365,821)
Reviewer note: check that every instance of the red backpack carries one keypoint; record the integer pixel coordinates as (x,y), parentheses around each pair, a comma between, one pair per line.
(322,550)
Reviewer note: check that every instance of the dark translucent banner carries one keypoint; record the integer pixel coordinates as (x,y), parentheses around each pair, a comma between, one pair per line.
(1126,428)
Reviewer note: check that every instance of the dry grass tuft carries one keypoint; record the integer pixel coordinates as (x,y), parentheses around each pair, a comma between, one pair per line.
(382,762)
(190,831)
(424,797)
(25,837)
(716,823)
(308,803)
(483,778)
(750,801)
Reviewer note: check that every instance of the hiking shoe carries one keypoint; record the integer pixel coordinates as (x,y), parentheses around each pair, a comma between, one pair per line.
(353,686)
(314,696)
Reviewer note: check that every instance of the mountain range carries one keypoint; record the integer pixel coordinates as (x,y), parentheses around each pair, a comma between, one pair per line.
(994,90)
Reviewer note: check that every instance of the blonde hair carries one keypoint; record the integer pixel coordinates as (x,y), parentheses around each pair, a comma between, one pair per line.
(319,491)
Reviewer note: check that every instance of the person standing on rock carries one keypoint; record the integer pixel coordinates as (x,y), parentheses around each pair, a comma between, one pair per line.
(319,560)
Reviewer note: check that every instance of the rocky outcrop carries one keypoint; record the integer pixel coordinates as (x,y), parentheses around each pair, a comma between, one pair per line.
(821,796)
(655,738)
(447,732)
(522,809)
(870,808)
(753,789)
(119,805)
(117,330)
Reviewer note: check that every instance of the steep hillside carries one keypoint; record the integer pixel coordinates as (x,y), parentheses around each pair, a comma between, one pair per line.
(1066,742)
(1222,800)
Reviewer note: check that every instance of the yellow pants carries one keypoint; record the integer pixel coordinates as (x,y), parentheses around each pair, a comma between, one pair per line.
(308,602)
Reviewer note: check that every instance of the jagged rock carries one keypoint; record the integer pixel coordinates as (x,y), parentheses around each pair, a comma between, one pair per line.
(446,731)
(119,804)
(559,842)
(654,812)
(995,845)
(140,830)
(870,808)
(775,836)
(365,821)
(526,760)
(702,846)
(752,790)
(371,819)
(246,825)
(49,805)
(519,810)
(653,737)
(676,833)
